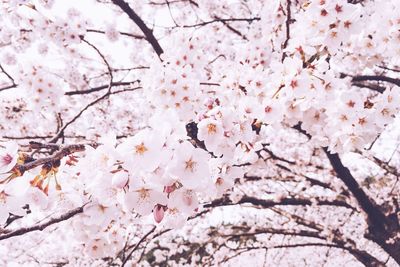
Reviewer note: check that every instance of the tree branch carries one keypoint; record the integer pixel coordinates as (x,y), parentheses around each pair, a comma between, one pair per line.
(271,203)
(42,226)
(122,33)
(65,151)
(381,78)
(137,245)
(139,22)
(375,216)
(249,20)
(98,88)
(287,23)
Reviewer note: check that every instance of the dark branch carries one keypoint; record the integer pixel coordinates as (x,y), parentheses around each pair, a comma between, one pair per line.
(98,88)
(271,203)
(42,226)
(287,23)
(137,245)
(249,20)
(63,152)
(379,78)
(232,29)
(373,87)
(139,22)
(375,216)
(122,33)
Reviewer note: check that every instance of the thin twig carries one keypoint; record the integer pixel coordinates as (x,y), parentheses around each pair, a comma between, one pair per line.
(122,33)
(220,20)
(137,245)
(42,226)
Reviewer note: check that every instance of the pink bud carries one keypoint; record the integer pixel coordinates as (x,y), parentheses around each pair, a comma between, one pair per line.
(158,213)
(169,189)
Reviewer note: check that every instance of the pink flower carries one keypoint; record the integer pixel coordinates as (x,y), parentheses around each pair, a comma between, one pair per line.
(8,156)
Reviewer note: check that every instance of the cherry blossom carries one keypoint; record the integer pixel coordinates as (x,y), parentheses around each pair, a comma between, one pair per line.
(216,133)
(8,156)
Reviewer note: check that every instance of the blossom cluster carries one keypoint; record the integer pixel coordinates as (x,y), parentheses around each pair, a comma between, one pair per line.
(209,113)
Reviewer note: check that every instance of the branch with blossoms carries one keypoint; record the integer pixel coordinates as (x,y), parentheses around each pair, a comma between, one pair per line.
(222,20)
(94,102)
(237,95)
(281,202)
(62,152)
(361,255)
(246,238)
(232,29)
(126,258)
(122,33)
(382,228)
(100,88)
(41,226)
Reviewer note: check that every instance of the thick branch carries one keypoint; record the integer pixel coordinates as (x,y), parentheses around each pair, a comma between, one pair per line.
(271,203)
(139,22)
(378,78)
(375,216)
(65,151)
(381,228)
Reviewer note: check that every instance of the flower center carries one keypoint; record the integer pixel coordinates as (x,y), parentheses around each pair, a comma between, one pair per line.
(212,128)
(141,149)
(6,159)
(190,165)
(144,194)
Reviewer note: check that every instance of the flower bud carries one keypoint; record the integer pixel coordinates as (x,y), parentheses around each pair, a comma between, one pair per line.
(158,213)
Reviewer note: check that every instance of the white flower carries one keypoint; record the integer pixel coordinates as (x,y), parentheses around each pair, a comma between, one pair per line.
(10,201)
(111,33)
(174,218)
(36,198)
(95,248)
(183,200)
(273,111)
(143,200)
(211,132)
(142,151)
(97,214)
(190,166)
(120,179)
